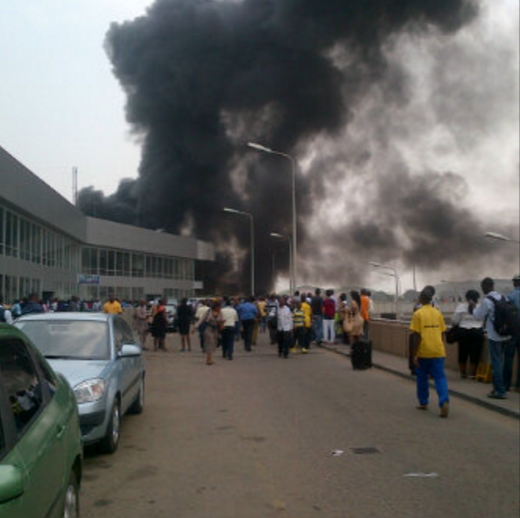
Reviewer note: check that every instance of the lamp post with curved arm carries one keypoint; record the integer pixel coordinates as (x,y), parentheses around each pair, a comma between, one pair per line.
(234,211)
(265,149)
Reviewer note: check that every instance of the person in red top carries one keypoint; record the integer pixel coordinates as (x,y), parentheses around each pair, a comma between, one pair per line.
(365,311)
(329,311)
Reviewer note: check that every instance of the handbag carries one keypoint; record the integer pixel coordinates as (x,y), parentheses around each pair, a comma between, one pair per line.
(453,334)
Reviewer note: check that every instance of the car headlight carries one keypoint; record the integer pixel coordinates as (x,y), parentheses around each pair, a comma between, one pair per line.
(90,390)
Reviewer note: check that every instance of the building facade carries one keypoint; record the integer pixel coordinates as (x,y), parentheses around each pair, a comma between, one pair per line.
(49,247)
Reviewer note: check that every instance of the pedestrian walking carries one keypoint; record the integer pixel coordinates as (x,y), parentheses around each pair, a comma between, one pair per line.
(271,309)
(212,324)
(429,351)
(501,348)
(353,322)
(307,325)
(285,328)
(365,311)
(317,316)
(298,328)
(248,313)
(159,324)
(33,305)
(184,319)
(200,314)
(141,322)
(230,316)
(329,312)
(470,335)
(112,306)
(341,315)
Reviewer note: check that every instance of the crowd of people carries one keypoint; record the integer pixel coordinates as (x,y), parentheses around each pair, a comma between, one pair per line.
(497,316)
(296,323)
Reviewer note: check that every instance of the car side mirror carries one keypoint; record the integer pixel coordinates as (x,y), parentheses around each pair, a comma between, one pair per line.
(129,350)
(11,483)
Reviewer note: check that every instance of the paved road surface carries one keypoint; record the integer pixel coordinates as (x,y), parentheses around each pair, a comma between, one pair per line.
(252,438)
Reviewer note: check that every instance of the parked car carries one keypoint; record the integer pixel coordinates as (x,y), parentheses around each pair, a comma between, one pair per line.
(40,441)
(103,363)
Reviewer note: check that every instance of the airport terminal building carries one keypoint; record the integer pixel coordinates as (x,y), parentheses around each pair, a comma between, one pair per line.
(50,247)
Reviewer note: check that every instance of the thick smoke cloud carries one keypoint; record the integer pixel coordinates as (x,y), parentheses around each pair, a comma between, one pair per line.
(204,77)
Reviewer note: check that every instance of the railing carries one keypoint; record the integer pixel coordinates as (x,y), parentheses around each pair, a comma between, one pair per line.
(391,336)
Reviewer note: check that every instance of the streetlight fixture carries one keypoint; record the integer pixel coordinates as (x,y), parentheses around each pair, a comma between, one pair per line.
(250,216)
(291,265)
(393,274)
(500,237)
(265,149)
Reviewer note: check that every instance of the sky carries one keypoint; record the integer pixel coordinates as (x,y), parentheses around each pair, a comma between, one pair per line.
(61,106)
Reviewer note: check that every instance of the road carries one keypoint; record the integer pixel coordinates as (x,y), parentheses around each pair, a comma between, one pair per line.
(253,438)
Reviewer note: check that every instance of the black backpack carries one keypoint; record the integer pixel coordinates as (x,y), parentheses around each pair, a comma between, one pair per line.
(507,319)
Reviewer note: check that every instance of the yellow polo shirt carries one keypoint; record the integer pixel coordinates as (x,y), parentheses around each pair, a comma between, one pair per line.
(307,311)
(113,308)
(429,323)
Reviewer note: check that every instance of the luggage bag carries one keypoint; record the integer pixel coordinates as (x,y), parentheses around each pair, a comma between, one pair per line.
(361,354)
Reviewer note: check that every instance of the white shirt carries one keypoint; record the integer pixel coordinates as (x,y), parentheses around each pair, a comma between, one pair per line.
(202,311)
(230,316)
(7,315)
(285,319)
(464,319)
(487,309)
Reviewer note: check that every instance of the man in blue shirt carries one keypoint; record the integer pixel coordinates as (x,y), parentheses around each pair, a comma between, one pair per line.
(514,298)
(248,313)
(501,348)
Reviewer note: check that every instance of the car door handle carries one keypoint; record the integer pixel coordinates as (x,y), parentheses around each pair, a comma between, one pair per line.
(59,431)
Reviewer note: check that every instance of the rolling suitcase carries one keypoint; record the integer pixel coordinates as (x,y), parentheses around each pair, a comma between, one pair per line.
(361,354)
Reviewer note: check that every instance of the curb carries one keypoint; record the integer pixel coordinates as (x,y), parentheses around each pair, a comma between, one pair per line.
(471,399)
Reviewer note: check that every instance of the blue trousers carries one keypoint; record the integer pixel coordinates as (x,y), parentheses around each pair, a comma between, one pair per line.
(317,328)
(433,367)
(501,356)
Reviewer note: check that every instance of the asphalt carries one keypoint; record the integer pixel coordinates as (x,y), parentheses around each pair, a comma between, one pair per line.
(470,390)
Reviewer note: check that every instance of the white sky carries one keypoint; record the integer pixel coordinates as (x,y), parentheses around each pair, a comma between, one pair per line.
(60,104)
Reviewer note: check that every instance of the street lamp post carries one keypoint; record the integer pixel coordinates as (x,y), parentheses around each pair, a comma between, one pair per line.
(393,274)
(291,263)
(265,149)
(250,216)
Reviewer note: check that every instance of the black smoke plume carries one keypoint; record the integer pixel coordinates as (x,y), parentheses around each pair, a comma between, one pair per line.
(204,77)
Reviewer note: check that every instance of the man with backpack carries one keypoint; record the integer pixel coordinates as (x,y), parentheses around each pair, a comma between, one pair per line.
(497,314)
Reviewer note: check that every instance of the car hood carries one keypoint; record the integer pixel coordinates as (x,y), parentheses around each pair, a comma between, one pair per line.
(76,371)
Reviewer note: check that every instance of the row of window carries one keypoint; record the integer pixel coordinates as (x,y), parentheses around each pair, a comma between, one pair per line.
(87,292)
(23,239)
(14,288)
(101,261)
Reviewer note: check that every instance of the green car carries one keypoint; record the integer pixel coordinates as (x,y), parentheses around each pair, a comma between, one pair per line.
(40,441)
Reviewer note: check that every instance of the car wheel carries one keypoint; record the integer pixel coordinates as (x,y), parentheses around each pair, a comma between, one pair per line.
(138,405)
(71,503)
(110,442)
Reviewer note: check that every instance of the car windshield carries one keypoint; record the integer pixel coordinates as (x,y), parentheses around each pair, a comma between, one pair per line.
(68,339)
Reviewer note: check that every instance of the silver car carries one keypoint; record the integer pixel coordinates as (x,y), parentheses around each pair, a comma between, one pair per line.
(103,363)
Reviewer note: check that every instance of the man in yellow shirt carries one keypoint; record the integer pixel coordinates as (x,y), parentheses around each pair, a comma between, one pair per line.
(429,351)
(112,306)
(307,312)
